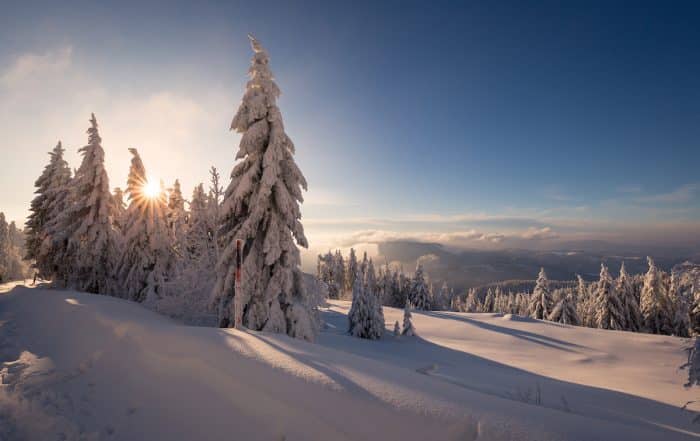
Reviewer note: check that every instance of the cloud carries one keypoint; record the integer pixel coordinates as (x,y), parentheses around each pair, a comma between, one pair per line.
(539,234)
(684,193)
(30,65)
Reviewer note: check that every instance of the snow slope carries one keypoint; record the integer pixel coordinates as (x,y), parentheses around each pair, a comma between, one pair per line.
(81,366)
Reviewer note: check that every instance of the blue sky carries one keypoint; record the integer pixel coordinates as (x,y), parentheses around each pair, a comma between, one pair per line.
(472,124)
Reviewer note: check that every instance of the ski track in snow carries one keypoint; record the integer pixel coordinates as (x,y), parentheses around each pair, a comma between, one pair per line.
(76,366)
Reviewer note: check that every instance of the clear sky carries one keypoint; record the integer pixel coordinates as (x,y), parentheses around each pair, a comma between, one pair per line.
(480,124)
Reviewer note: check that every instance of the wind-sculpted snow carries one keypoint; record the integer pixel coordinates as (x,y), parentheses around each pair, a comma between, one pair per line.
(81,366)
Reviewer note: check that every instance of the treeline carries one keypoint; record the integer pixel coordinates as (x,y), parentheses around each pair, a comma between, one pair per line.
(12,267)
(393,286)
(657,302)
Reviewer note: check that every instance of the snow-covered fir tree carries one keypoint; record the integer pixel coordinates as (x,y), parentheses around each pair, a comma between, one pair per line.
(471,304)
(86,226)
(408,328)
(54,178)
(366,319)
(565,311)
(261,208)
(12,267)
(339,272)
(177,216)
(351,271)
(654,302)
(420,296)
(609,312)
(489,300)
(585,303)
(371,279)
(680,307)
(395,297)
(541,298)
(52,189)
(630,306)
(147,263)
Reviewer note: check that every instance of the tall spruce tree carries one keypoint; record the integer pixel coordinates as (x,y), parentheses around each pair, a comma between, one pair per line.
(654,302)
(53,179)
(261,208)
(609,311)
(420,296)
(541,298)
(630,306)
(50,201)
(87,223)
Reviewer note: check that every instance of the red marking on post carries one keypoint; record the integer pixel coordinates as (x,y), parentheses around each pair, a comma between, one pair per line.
(238,260)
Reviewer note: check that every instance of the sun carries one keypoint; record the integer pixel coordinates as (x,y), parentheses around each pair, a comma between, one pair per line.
(151,188)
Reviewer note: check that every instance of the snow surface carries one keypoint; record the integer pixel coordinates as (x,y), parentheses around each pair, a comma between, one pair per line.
(83,366)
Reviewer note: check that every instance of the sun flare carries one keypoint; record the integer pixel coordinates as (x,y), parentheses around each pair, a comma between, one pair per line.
(151,188)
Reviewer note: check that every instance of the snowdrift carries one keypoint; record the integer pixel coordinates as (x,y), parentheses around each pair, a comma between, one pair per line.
(80,366)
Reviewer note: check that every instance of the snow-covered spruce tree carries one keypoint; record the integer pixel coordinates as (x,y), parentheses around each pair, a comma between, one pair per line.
(371,279)
(339,272)
(49,186)
(609,313)
(471,303)
(261,208)
(395,297)
(541,298)
(366,319)
(146,264)
(630,306)
(489,301)
(654,302)
(680,306)
(87,223)
(351,271)
(565,311)
(177,216)
(408,328)
(420,297)
(585,303)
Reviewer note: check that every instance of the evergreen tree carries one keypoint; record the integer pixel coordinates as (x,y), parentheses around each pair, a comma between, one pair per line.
(177,216)
(86,226)
(52,180)
(366,319)
(633,317)
(654,302)
(408,328)
(541,298)
(146,264)
(351,273)
(609,311)
(397,329)
(565,311)
(420,297)
(471,303)
(49,203)
(680,306)
(489,301)
(261,208)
